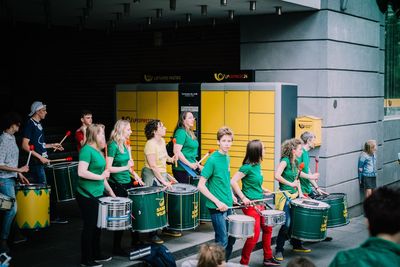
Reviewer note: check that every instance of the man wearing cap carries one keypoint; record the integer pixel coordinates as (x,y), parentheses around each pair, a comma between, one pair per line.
(33,134)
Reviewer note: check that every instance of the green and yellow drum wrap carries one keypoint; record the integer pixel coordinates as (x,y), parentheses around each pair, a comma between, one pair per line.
(33,202)
(337,214)
(183,207)
(148,208)
(309,219)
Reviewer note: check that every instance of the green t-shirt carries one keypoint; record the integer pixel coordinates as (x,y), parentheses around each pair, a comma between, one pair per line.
(97,164)
(252,182)
(189,146)
(373,252)
(216,171)
(120,160)
(306,185)
(290,175)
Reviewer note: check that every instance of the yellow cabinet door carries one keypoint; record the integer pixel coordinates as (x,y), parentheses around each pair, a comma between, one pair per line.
(237,111)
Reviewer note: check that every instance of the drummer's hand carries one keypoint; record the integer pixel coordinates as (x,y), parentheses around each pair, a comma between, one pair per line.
(234,199)
(200,166)
(130,164)
(168,185)
(246,201)
(44,160)
(140,181)
(322,192)
(294,184)
(112,194)
(314,176)
(106,174)
(23,169)
(221,206)
(193,166)
(23,179)
(57,146)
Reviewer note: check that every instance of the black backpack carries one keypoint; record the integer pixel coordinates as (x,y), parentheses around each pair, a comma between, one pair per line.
(170,148)
(160,256)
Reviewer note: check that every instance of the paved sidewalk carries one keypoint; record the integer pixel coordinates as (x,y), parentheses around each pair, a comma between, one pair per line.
(59,245)
(344,237)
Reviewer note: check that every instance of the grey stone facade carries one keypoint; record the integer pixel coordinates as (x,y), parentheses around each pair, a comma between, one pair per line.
(337,56)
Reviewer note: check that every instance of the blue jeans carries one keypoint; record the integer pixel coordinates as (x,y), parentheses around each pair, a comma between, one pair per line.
(284,231)
(220,225)
(37,174)
(7,188)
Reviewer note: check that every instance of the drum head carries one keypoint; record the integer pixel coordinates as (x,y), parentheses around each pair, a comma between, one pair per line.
(31,186)
(310,204)
(332,196)
(182,189)
(116,200)
(241,218)
(144,190)
(271,212)
(62,165)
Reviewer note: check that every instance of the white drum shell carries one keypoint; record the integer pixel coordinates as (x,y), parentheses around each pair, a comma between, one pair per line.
(273,217)
(240,226)
(114,214)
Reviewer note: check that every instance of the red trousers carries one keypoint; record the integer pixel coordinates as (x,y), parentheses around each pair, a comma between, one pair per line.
(252,241)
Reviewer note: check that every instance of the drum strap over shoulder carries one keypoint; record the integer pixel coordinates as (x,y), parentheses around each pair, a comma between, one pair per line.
(282,197)
(90,195)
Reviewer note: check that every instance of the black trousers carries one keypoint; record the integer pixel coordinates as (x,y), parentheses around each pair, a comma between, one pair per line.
(120,190)
(90,237)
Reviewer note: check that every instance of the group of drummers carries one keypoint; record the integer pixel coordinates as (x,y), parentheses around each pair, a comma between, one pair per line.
(156,200)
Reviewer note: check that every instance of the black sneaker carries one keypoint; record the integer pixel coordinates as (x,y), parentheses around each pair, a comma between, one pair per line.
(102,258)
(328,239)
(91,264)
(171,233)
(59,220)
(271,262)
(157,240)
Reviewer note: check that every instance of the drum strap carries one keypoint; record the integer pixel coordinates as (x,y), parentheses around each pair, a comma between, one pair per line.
(90,195)
(117,183)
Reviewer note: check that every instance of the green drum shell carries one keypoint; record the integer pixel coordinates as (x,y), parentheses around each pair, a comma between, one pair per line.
(204,211)
(183,207)
(63,178)
(308,223)
(337,214)
(148,208)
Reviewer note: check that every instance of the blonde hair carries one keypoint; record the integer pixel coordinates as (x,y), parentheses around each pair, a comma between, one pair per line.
(91,134)
(116,134)
(224,131)
(369,146)
(211,255)
(287,147)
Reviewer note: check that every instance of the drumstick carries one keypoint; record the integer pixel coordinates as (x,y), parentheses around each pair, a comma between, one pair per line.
(64,159)
(31,148)
(170,177)
(207,154)
(68,133)
(176,161)
(316,163)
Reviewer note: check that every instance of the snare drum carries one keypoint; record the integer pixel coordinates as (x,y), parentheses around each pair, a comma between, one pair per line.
(309,219)
(6,202)
(240,226)
(183,207)
(148,208)
(337,214)
(114,213)
(33,202)
(63,178)
(273,217)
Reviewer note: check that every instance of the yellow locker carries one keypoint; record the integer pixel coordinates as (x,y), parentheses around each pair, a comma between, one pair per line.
(167,110)
(237,111)
(126,100)
(262,102)
(212,112)
(262,124)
